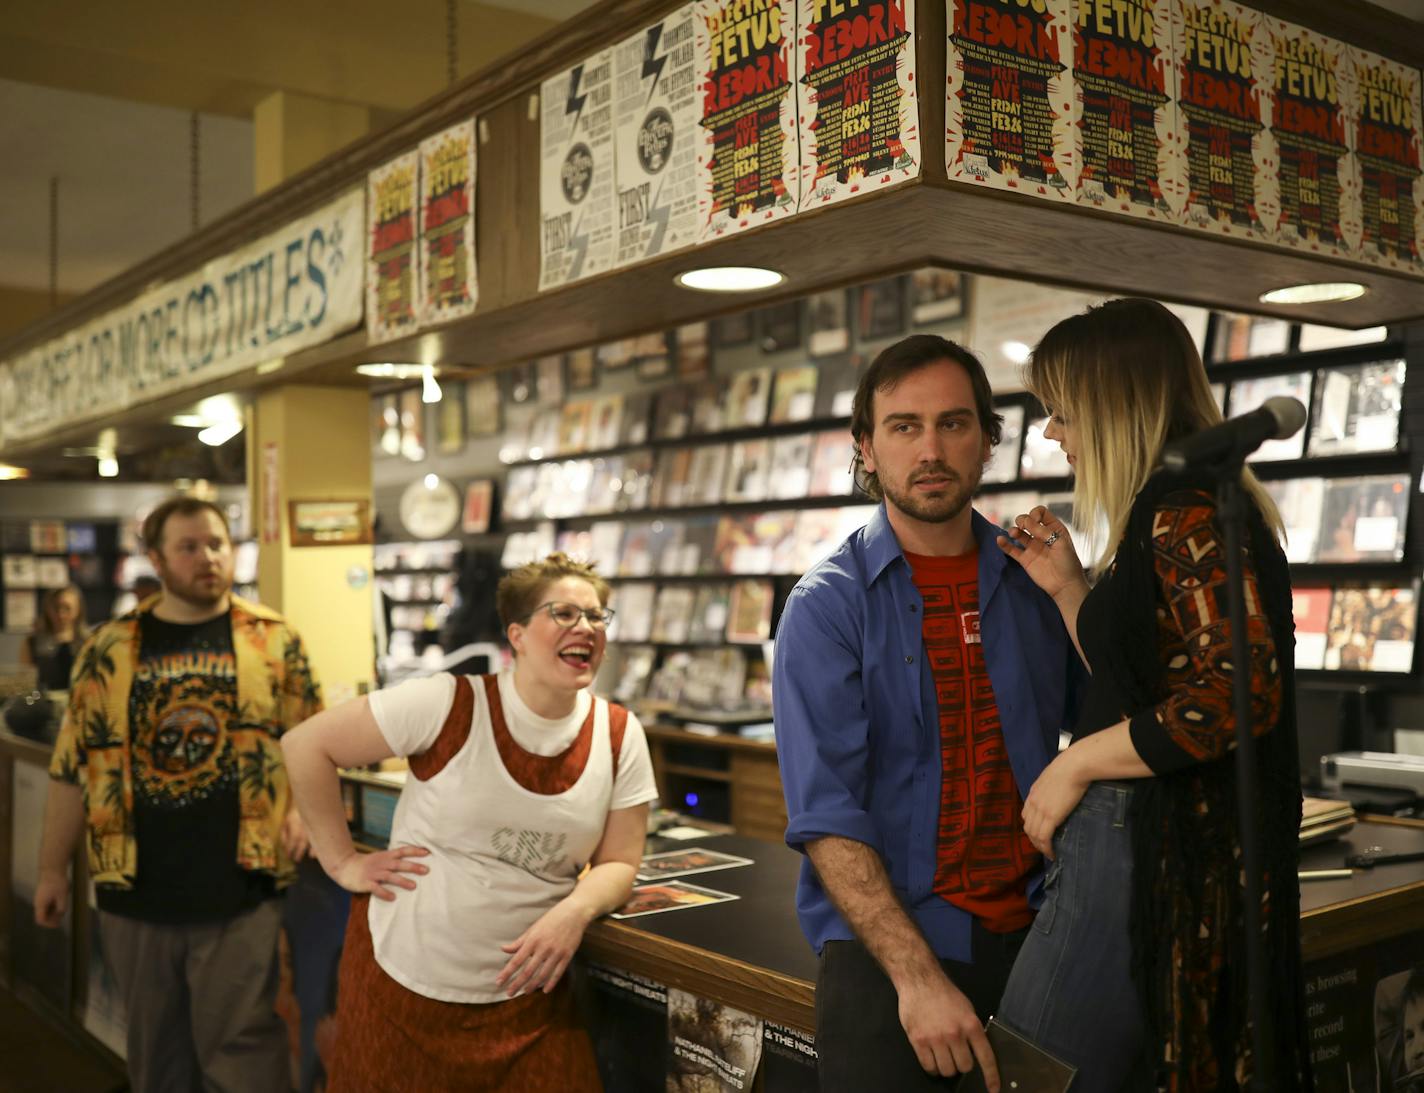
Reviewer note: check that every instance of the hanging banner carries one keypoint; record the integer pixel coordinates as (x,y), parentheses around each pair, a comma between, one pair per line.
(576,173)
(1125,84)
(449,284)
(748,155)
(293,288)
(1223,101)
(656,110)
(1009,115)
(1311,110)
(859,111)
(1387,142)
(391,281)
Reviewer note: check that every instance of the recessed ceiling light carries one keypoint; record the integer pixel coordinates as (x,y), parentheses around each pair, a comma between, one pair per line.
(1017,352)
(215,436)
(1323,292)
(190,421)
(730,278)
(108,467)
(9,472)
(394,371)
(431,481)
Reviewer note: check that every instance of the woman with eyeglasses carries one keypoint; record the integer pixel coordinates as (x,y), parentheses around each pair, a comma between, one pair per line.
(452,976)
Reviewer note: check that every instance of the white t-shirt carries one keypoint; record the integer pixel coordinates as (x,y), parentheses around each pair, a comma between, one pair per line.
(500,855)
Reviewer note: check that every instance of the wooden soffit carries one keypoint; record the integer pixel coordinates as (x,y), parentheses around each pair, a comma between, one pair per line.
(926,221)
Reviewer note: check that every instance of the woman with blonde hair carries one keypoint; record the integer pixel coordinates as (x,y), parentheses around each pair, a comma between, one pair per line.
(60,630)
(452,977)
(1135,969)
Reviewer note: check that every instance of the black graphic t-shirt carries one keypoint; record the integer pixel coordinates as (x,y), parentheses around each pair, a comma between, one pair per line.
(185,779)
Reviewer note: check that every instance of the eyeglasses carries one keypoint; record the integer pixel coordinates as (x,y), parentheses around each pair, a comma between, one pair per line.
(567,615)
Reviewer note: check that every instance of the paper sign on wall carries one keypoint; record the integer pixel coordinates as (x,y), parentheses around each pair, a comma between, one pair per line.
(856,86)
(1009,115)
(576,174)
(392,305)
(448,283)
(1387,143)
(657,109)
(748,155)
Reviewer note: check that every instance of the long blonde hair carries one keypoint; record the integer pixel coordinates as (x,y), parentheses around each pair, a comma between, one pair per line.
(1127,376)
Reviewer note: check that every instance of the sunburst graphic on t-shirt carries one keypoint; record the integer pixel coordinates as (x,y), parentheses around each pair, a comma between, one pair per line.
(181,751)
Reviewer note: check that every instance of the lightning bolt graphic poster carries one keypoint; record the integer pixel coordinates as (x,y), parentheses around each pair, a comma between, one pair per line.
(448,283)
(656,112)
(749,153)
(859,110)
(576,175)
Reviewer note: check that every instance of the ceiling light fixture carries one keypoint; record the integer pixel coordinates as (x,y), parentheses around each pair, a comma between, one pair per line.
(429,389)
(215,436)
(9,473)
(189,421)
(390,371)
(1322,292)
(108,467)
(431,481)
(1016,352)
(730,279)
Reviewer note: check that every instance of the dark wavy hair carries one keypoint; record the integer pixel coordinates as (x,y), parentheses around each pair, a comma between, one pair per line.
(894,363)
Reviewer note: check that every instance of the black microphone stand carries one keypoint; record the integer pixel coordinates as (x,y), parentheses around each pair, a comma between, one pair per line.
(1231,510)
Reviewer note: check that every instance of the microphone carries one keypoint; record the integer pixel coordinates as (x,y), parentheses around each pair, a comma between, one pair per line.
(1233,440)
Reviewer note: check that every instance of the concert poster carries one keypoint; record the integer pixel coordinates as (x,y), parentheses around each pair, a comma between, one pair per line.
(858,104)
(1311,93)
(392,292)
(576,199)
(1009,114)
(1387,144)
(1222,53)
(449,287)
(749,153)
(656,112)
(1124,81)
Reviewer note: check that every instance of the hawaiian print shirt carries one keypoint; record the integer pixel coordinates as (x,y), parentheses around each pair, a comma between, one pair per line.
(276,691)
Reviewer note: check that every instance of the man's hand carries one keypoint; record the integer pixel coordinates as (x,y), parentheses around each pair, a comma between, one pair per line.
(51,899)
(945,1032)
(540,954)
(294,835)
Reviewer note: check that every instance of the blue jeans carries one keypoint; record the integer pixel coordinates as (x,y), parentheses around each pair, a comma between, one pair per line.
(1071,988)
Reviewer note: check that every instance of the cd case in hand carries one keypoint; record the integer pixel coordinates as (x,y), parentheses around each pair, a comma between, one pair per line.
(1023,1065)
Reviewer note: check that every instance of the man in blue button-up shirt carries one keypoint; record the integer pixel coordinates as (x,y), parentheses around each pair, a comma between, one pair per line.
(907,977)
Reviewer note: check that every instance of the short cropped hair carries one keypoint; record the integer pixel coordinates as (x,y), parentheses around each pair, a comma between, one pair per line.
(521,590)
(152,532)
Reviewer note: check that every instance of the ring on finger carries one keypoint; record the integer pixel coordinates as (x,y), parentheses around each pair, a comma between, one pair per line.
(1051,539)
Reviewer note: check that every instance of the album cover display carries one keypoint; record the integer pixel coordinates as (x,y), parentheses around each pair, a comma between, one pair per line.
(637,481)
(605,420)
(709,614)
(752,542)
(605,545)
(707,474)
(880,309)
(936,296)
(1364,519)
(1372,629)
(574,423)
(1301,502)
(831,455)
(542,439)
(1248,395)
(790,475)
(672,614)
(747,398)
(1357,408)
(634,606)
(1311,608)
(605,481)
(698,552)
(829,322)
(709,406)
(633,429)
(670,480)
(673,415)
(1041,458)
(1003,465)
(748,466)
(749,618)
(780,327)
(835,389)
(714,679)
(793,394)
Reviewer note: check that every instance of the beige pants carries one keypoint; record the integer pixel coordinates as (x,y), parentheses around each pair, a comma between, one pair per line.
(199,1001)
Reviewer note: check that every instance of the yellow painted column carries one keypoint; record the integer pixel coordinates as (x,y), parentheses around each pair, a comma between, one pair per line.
(311,444)
(291,132)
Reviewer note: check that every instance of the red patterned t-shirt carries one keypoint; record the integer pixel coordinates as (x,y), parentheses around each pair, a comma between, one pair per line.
(983,859)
